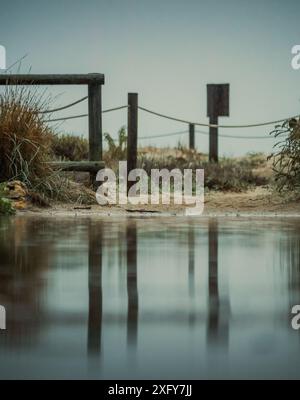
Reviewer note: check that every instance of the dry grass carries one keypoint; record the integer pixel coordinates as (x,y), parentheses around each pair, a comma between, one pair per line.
(70,148)
(286,157)
(26,145)
(24,137)
(234,174)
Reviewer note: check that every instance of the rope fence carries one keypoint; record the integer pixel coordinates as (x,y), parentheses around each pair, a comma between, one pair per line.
(202,133)
(79,115)
(217,106)
(171,118)
(215,125)
(64,107)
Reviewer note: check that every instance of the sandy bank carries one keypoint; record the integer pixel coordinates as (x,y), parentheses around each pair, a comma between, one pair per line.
(259,202)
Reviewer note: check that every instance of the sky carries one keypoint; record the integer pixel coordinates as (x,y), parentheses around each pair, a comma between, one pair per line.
(166,51)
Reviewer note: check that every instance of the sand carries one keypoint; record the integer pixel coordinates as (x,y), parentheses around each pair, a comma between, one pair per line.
(260,201)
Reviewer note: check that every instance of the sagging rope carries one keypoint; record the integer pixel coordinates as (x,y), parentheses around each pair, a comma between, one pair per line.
(215,125)
(84,115)
(64,107)
(203,133)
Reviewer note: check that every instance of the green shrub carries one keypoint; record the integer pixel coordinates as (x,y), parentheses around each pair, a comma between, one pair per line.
(227,175)
(6,207)
(117,150)
(70,148)
(286,157)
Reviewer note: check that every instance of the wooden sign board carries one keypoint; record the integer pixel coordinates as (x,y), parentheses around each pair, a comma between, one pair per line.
(218,100)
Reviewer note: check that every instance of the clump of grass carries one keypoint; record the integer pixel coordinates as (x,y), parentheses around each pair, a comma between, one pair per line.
(117,149)
(253,160)
(230,175)
(6,207)
(24,136)
(286,157)
(26,146)
(70,148)
(227,175)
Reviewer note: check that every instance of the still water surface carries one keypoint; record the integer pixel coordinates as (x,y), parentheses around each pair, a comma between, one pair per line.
(156,298)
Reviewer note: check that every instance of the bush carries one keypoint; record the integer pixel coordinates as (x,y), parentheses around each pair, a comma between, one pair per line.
(227,175)
(286,158)
(117,149)
(230,175)
(6,207)
(70,148)
(24,137)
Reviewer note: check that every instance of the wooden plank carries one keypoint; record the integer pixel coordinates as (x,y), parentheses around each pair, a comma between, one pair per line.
(192,136)
(81,166)
(51,79)
(132,137)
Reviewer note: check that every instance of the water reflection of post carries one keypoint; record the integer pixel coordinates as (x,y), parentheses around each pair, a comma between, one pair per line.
(191,245)
(132,290)
(213,284)
(95,289)
(218,310)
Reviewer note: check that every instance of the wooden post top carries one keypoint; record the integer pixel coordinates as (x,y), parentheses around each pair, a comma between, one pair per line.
(51,79)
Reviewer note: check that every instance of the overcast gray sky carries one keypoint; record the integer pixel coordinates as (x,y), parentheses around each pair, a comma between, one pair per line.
(167,51)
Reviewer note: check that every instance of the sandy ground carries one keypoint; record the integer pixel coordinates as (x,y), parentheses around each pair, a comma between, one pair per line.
(257,202)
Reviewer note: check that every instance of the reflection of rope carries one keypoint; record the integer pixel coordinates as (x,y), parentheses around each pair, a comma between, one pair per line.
(84,115)
(64,107)
(215,125)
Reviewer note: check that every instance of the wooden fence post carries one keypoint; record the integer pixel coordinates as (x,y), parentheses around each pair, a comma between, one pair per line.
(95,124)
(213,139)
(217,106)
(191,136)
(132,132)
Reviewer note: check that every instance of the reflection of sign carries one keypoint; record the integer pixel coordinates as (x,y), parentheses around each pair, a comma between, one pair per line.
(218,100)
(2,318)
(2,57)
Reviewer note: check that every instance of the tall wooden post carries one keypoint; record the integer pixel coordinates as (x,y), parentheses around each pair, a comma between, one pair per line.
(192,136)
(217,106)
(213,139)
(95,124)
(132,127)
